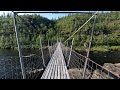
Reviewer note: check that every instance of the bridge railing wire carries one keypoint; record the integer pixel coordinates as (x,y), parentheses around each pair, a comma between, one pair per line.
(93,70)
(10,66)
(78,65)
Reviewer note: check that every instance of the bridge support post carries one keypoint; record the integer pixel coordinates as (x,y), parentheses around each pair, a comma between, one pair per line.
(42,52)
(66,49)
(49,49)
(85,65)
(60,39)
(57,40)
(70,53)
(19,46)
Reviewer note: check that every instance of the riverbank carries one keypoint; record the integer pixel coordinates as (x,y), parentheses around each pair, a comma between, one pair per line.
(97,49)
(24,47)
(113,69)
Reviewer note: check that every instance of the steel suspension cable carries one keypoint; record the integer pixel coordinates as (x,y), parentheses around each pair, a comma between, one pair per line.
(19,46)
(89,46)
(39,37)
(81,26)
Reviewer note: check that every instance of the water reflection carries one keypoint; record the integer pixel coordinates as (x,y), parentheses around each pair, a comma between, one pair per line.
(10,63)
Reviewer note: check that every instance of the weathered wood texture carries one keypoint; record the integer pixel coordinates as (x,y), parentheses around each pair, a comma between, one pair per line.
(56,68)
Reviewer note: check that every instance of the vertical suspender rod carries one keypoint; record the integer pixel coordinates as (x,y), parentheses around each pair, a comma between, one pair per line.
(70,53)
(85,65)
(42,52)
(19,46)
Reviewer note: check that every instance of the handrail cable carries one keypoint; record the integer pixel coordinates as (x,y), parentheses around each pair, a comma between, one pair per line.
(82,26)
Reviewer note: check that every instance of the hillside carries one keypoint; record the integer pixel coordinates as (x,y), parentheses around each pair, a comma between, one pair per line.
(106,34)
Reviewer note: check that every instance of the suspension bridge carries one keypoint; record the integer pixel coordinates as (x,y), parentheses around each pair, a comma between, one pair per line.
(60,62)
(56,68)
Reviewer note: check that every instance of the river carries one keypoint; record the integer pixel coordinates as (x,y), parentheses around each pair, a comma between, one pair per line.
(12,55)
(10,63)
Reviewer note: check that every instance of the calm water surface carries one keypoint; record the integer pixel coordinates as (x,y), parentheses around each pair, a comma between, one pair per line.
(6,56)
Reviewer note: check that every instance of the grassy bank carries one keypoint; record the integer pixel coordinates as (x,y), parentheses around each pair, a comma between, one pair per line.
(100,49)
(95,49)
(24,47)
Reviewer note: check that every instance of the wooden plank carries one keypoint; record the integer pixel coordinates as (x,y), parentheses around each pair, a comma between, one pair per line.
(60,67)
(57,64)
(56,68)
(51,70)
(62,77)
(58,72)
(67,75)
(52,74)
(61,72)
(65,68)
(46,70)
(55,77)
(43,76)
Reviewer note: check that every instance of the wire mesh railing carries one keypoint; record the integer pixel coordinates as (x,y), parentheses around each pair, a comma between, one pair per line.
(10,67)
(93,70)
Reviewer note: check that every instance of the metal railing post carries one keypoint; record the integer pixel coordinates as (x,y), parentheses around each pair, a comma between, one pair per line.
(66,48)
(42,52)
(70,53)
(57,40)
(19,46)
(60,39)
(49,49)
(85,65)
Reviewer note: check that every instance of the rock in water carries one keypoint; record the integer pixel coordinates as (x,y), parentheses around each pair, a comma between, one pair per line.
(115,68)
(117,65)
(87,73)
(96,75)
(76,73)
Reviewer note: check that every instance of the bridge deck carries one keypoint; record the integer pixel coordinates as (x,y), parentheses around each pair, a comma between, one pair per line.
(56,68)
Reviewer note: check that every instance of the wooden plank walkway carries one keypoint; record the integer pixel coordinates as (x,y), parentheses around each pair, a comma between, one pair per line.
(56,68)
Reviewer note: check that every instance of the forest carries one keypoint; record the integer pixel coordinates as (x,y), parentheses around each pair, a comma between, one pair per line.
(106,34)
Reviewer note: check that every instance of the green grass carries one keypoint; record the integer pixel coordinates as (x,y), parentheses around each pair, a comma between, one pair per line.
(114,48)
(95,49)
(100,48)
(79,49)
(105,48)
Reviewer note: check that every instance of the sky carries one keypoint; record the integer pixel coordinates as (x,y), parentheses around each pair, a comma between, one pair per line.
(53,16)
(47,15)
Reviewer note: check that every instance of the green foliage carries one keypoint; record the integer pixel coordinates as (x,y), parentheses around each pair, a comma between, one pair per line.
(2,41)
(100,49)
(106,31)
(114,48)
